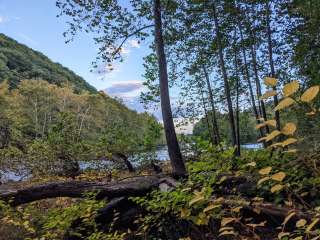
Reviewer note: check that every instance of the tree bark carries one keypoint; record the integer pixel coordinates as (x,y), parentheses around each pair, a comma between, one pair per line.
(225,77)
(271,62)
(238,117)
(135,186)
(124,158)
(213,109)
(258,85)
(247,75)
(209,127)
(177,163)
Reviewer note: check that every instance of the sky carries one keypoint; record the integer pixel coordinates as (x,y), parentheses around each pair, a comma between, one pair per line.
(34,23)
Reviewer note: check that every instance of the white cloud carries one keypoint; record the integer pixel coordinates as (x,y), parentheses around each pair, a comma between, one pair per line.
(134,43)
(125,89)
(125,50)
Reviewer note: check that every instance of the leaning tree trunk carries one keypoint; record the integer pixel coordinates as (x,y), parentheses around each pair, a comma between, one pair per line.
(213,109)
(177,163)
(271,62)
(225,77)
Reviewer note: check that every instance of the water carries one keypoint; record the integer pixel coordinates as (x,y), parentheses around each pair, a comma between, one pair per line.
(252,146)
(161,155)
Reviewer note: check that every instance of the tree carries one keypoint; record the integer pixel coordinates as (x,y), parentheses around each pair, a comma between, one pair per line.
(117,24)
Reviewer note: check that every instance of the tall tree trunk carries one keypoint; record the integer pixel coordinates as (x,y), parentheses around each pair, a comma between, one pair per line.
(258,85)
(238,117)
(237,99)
(209,127)
(247,75)
(177,163)
(225,77)
(213,109)
(271,62)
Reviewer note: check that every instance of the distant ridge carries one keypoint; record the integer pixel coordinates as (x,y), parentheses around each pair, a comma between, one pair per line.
(18,62)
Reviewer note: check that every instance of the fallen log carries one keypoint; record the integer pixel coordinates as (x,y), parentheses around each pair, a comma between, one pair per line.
(134,186)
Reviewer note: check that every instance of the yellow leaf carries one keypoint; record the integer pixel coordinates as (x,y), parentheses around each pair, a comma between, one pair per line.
(254,225)
(289,141)
(297,238)
(260,125)
(223,179)
(311,113)
(269,81)
(210,207)
(265,171)
(272,123)
(185,212)
(272,135)
(263,180)
(251,164)
(291,151)
(314,222)
(261,139)
(278,176)
(257,199)
(227,233)
(286,102)
(276,188)
(290,88)
(276,145)
(237,209)
(288,218)
(301,223)
(310,94)
(226,221)
(196,199)
(268,94)
(225,228)
(289,129)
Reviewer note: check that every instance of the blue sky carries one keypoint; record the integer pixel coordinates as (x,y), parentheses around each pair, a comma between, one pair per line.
(34,23)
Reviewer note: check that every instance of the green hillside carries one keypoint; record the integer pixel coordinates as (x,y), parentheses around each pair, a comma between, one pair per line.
(18,62)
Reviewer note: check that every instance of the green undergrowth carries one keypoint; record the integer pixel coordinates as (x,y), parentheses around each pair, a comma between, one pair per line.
(208,204)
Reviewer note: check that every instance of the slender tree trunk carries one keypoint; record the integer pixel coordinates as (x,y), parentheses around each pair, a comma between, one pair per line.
(213,109)
(238,117)
(177,162)
(225,77)
(247,75)
(210,128)
(258,85)
(270,50)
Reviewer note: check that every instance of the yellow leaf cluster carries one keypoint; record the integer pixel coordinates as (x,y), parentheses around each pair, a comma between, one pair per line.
(286,102)
(289,141)
(272,135)
(278,176)
(276,188)
(310,94)
(269,81)
(268,94)
(301,223)
(290,88)
(272,123)
(289,129)
(265,171)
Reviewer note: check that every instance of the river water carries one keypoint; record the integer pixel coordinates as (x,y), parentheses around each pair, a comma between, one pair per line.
(161,155)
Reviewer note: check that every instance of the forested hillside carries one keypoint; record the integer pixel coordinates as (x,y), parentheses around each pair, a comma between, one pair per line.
(19,62)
